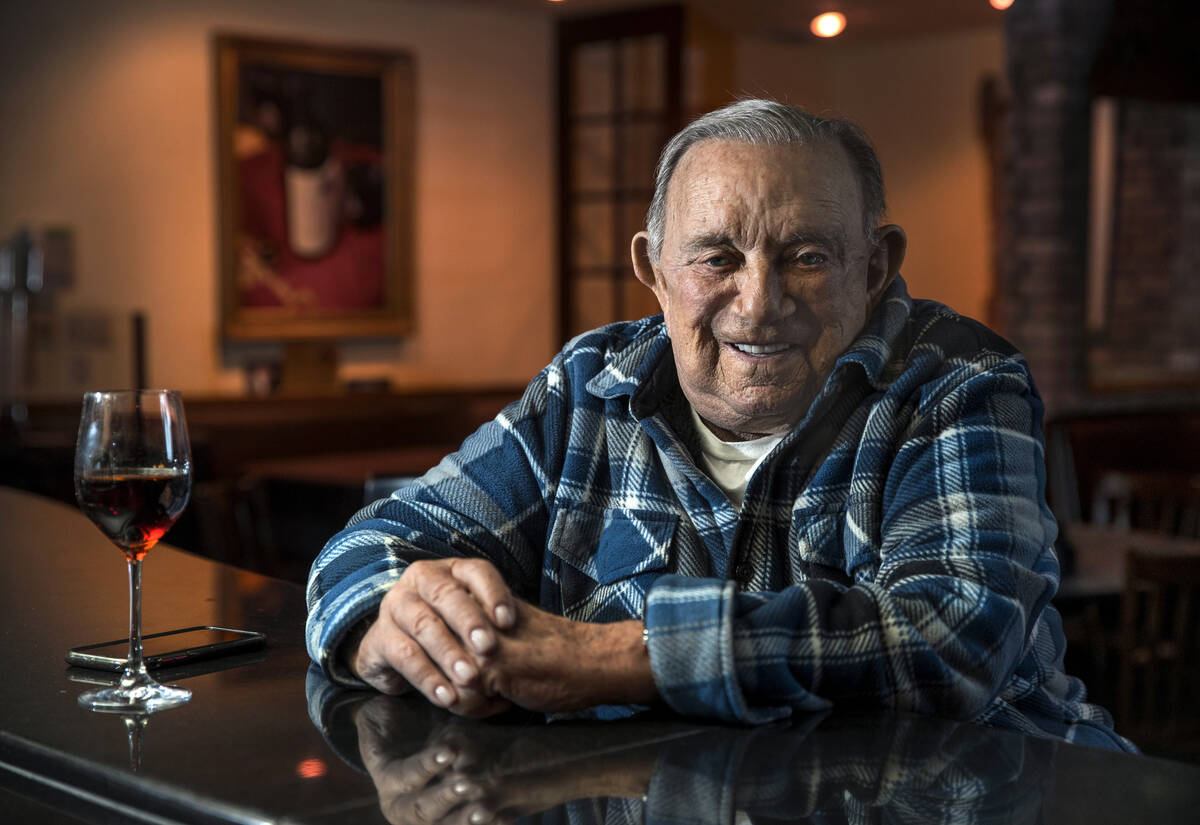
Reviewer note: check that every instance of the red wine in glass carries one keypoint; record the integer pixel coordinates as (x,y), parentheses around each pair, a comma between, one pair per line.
(134,506)
(133,475)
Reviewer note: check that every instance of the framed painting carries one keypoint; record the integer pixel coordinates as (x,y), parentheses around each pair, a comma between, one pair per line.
(315,153)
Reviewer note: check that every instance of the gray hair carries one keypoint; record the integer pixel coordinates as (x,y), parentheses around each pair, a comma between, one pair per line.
(769,122)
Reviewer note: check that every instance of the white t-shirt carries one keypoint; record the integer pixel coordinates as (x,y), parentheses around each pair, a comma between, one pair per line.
(731,463)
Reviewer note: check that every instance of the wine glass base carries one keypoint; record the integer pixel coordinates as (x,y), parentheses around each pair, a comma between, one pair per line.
(134,699)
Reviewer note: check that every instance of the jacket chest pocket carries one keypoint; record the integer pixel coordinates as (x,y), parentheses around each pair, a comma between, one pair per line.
(815,540)
(833,543)
(605,560)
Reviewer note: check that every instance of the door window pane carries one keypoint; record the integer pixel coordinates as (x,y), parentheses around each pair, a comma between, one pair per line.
(641,142)
(592,148)
(592,234)
(592,303)
(592,79)
(642,63)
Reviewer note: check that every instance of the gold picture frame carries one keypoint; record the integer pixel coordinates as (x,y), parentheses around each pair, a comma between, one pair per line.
(315,157)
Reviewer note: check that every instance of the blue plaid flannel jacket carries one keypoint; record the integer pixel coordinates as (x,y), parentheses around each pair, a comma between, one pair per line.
(895,549)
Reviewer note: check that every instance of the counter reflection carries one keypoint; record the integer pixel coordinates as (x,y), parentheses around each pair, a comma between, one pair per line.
(429,766)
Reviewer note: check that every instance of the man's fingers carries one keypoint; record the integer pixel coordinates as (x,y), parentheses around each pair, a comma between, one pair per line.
(432,627)
(412,774)
(428,624)
(394,661)
(456,604)
(376,671)
(389,659)
(478,705)
(396,776)
(488,587)
(432,804)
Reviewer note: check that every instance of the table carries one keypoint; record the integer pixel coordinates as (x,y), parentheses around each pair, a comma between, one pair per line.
(270,741)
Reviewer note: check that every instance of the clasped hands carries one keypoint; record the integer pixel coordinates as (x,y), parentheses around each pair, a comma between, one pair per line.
(452,629)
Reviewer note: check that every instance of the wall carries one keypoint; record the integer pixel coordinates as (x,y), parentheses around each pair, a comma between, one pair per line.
(919,101)
(1135,347)
(108,109)
(107,113)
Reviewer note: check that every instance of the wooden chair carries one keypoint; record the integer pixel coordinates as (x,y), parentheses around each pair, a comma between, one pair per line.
(1159,649)
(1164,502)
(377,487)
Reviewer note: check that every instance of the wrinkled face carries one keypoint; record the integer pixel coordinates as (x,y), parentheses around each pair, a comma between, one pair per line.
(765,277)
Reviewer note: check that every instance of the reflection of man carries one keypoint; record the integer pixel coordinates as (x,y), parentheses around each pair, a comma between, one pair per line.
(870,767)
(484,773)
(806,487)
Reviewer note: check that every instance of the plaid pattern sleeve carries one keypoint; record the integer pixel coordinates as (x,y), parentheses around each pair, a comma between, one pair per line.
(893,550)
(487,501)
(516,493)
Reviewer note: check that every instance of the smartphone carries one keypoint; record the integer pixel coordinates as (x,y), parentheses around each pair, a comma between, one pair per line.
(169,673)
(173,647)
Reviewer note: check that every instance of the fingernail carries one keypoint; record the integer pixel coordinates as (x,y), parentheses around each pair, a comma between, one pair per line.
(461,787)
(464,670)
(481,639)
(443,694)
(480,817)
(443,757)
(504,616)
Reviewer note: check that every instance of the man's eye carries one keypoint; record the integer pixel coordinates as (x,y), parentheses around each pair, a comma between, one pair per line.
(717,261)
(811,258)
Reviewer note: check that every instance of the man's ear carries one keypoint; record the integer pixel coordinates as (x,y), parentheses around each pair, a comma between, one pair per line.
(887,254)
(644,268)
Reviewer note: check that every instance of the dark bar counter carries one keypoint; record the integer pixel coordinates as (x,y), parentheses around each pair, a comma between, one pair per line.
(266,740)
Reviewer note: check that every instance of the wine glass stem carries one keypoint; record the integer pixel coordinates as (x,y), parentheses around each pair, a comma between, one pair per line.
(135,666)
(133,727)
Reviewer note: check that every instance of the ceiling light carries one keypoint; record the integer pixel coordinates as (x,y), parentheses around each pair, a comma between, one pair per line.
(829,24)
(1000,4)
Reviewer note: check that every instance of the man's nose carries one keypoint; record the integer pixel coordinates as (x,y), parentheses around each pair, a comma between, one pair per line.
(762,294)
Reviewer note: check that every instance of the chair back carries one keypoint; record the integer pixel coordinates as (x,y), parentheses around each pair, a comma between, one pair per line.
(1164,502)
(377,487)
(1160,647)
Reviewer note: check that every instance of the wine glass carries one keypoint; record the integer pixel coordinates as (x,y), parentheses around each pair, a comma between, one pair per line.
(133,475)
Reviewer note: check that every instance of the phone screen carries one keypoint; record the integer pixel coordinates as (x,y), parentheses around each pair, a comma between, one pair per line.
(157,645)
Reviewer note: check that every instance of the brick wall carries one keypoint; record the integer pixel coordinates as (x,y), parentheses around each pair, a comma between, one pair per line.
(1040,291)
(1149,350)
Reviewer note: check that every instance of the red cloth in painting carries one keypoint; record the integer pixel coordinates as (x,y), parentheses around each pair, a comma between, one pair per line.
(349,276)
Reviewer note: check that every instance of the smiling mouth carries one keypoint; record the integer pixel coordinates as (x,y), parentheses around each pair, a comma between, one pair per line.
(759,350)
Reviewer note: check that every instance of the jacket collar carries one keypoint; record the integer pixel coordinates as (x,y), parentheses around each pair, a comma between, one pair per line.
(633,368)
(879,341)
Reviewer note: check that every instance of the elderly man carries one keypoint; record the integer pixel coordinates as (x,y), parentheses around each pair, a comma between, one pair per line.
(797,486)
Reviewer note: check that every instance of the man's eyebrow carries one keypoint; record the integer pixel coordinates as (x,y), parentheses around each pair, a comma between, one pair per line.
(836,241)
(833,241)
(706,241)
